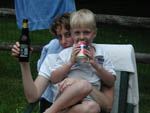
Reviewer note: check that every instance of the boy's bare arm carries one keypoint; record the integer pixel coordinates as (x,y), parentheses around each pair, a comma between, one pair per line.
(33,90)
(60,73)
(107,77)
(104,98)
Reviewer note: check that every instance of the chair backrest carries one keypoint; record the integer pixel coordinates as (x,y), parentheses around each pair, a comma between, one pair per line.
(126,84)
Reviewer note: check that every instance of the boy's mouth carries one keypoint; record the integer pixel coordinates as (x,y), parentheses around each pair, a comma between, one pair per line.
(83,40)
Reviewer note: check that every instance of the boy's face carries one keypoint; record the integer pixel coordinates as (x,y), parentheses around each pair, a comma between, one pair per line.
(84,34)
(64,37)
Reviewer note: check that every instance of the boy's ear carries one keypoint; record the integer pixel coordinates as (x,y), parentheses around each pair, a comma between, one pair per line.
(95,32)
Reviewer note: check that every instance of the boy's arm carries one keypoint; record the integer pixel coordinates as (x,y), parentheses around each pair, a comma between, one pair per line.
(51,48)
(60,73)
(33,90)
(107,77)
(104,98)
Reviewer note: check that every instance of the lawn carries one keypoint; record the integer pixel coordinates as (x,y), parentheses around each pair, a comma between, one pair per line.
(12,99)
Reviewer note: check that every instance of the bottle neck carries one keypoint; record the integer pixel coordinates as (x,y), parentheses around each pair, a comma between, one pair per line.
(25,29)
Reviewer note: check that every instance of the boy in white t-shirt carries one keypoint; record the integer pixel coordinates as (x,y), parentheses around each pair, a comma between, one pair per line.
(83,27)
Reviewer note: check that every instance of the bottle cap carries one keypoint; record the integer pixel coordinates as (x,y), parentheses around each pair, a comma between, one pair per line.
(25,23)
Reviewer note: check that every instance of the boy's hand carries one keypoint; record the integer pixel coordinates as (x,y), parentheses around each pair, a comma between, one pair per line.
(75,51)
(90,53)
(16,50)
(67,82)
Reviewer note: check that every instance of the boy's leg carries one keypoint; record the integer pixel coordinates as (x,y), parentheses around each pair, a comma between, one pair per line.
(70,96)
(84,107)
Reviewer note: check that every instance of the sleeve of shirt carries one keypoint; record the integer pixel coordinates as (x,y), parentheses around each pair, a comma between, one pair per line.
(54,61)
(62,58)
(58,63)
(52,47)
(47,65)
(107,64)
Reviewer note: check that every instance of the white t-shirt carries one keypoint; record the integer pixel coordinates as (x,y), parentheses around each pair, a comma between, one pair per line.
(86,71)
(44,71)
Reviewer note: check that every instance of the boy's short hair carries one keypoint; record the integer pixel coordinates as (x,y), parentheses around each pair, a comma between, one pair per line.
(83,18)
(63,19)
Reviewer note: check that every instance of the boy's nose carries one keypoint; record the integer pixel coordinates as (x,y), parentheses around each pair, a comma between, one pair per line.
(81,36)
(63,40)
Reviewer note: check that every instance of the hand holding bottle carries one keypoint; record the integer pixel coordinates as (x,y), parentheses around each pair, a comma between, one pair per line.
(16,50)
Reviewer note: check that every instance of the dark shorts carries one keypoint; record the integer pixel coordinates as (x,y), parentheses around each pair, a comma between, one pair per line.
(44,104)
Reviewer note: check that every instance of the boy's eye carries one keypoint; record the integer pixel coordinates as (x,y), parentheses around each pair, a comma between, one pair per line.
(59,37)
(77,33)
(86,32)
(67,35)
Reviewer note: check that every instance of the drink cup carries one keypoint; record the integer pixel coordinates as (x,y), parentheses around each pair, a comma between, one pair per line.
(81,57)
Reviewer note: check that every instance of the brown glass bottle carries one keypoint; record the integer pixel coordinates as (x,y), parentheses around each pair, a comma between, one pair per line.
(24,42)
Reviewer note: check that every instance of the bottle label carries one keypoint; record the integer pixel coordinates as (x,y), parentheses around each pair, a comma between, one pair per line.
(81,57)
(24,50)
(83,47)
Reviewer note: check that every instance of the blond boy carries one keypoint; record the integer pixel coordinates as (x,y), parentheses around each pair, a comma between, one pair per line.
(83,27)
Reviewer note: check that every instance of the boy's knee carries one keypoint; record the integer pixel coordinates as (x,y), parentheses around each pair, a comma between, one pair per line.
(108,108)
(84,86)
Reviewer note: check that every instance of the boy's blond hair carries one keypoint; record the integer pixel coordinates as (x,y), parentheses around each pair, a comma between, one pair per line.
(83,18)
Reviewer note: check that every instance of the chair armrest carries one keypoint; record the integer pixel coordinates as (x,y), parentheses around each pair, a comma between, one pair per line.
(121,91)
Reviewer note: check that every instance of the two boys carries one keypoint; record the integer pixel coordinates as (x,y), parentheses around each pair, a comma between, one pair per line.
(83,27)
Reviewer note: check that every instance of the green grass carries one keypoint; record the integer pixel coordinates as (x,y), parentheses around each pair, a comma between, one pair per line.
(9,32)
(111,34)
(12,99)
(144,85)
(11,95)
